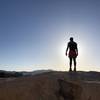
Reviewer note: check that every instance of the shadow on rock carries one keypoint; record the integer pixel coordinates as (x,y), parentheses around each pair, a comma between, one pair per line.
(69,90)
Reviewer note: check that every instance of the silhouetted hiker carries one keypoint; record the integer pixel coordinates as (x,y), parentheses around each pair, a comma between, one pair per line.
(73,53)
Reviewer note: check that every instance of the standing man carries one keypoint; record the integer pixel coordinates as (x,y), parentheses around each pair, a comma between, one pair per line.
(73,53)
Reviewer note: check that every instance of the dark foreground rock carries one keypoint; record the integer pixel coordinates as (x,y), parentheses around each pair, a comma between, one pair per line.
(49,86)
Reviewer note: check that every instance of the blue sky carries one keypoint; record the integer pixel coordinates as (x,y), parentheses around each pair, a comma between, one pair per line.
(34,33)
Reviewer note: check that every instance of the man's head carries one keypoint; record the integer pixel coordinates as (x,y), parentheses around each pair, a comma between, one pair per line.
(71,38)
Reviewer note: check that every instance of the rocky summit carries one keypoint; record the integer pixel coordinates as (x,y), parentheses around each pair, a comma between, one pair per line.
(51,86)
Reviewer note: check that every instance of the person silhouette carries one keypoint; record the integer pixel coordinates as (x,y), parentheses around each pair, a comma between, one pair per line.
(73,53)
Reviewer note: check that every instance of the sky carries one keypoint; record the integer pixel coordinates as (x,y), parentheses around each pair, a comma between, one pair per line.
(34,34)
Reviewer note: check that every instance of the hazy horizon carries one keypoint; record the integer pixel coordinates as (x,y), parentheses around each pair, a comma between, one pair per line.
(34,34)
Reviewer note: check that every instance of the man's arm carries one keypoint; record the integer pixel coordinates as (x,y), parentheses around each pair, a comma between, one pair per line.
(76,50)
(67,48)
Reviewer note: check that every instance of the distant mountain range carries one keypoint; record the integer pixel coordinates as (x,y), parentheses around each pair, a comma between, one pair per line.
(91,75)
(5,74)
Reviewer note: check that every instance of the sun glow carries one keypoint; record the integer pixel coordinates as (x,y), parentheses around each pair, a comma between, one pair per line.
(63,50)
(65,61)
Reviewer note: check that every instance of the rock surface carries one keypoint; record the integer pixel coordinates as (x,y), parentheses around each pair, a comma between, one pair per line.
(49,86)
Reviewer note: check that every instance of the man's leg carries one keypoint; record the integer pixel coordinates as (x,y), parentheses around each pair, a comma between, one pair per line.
(74,59)
(70,63)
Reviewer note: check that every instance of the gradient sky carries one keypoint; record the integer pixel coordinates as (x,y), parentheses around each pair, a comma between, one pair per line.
(34,34)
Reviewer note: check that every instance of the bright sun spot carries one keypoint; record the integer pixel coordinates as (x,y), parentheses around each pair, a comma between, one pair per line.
(63,50)
(65,61)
